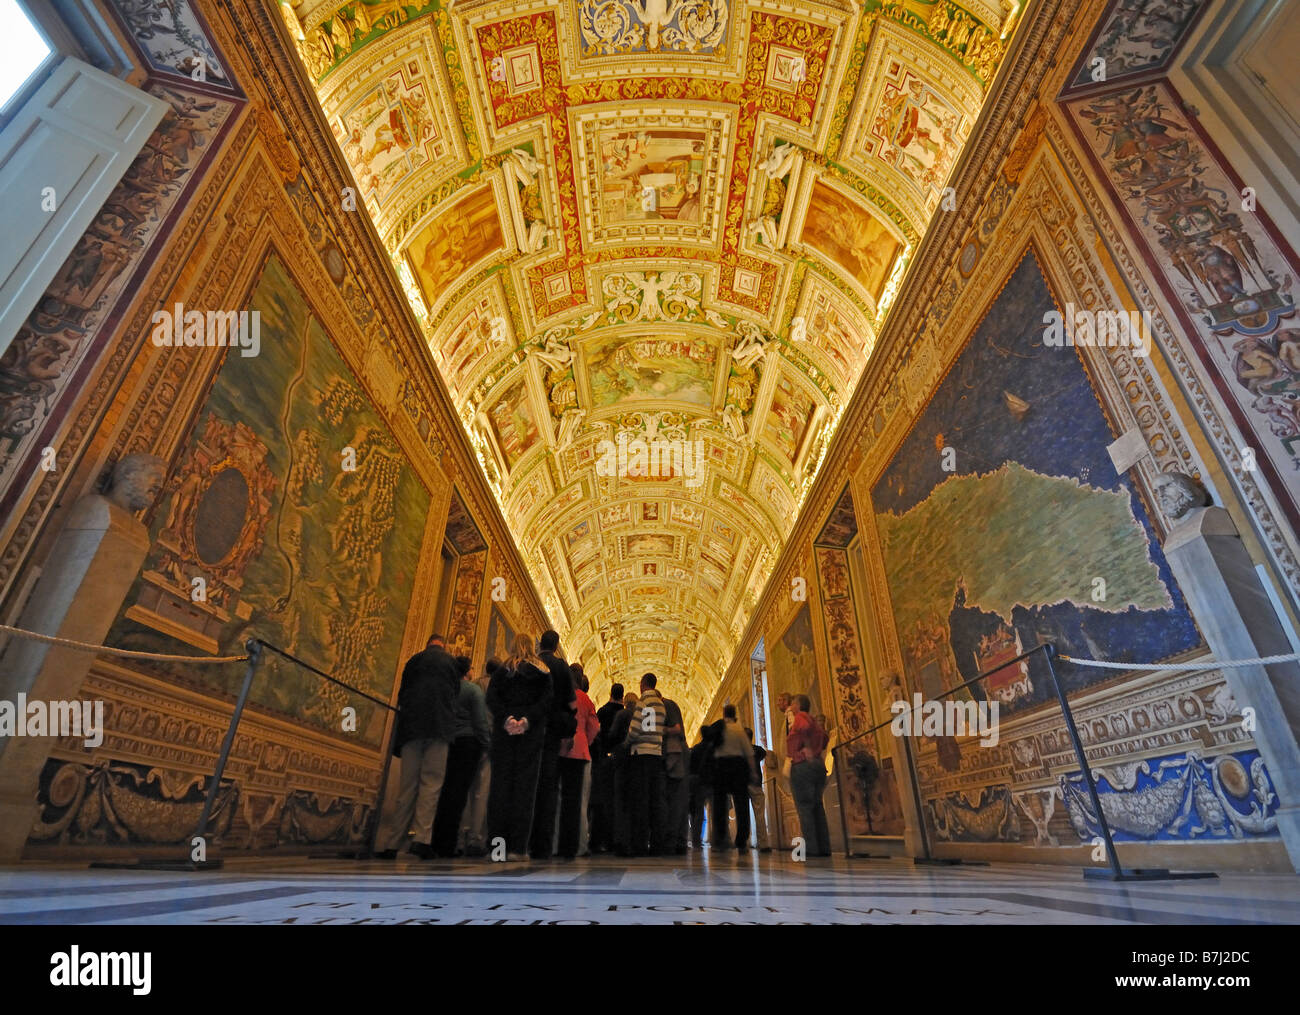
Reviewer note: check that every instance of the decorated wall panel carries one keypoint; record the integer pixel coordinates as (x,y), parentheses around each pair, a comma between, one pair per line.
(294,507)
(1226,270)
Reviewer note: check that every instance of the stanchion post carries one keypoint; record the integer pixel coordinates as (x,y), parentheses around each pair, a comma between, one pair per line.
(254,648)
(839,790)
(913,779)
(1116,869)
(383,786)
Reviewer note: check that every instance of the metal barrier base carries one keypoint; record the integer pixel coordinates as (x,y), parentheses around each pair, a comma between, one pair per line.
(947,861)
(342,854)
(1144,874)
(158,865)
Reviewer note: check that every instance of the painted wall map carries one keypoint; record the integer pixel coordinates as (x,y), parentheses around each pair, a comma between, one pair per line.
(1001,554)
(291,546)
(500,636)
(791,666)
(850,236)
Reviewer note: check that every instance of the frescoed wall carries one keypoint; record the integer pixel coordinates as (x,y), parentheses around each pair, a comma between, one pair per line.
(306,485)
(1227,270)
(868,761)
(1001,542)
(791,665)
(990,517)
(1002,524)
(294,507)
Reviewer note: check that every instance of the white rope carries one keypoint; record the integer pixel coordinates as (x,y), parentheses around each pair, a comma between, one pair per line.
(1225,664)
(85,646)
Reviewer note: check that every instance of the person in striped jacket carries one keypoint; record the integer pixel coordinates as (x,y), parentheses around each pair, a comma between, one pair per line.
(646,787)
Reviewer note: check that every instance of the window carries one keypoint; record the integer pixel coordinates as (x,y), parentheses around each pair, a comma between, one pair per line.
(68,132)
(24,50)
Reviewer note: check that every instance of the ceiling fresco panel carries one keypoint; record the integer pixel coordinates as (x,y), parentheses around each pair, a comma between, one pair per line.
(627,222)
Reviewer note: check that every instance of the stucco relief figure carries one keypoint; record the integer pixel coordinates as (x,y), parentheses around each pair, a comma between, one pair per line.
(734,420)
(779,161)
(750,346)
(570,422)
(764,228)
(554,350)
(778,165)
(799,329)
(653,286)
(522,169)
(136,481)
(535,238)
(656,15)
(740,390)
(1178,494)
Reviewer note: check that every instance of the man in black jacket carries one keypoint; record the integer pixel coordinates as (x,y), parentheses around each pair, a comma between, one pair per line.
(425,724)
(602,775)
(701,779)
(561,724)
(618,762)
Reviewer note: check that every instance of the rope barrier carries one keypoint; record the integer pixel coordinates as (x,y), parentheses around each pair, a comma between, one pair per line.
(84,646)
(1225,664)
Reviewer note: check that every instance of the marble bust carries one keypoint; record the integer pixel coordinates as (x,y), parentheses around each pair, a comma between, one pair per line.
(1178,494)
(136,482)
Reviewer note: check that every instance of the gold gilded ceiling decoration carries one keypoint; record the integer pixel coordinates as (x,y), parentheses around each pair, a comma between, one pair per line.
(652,243)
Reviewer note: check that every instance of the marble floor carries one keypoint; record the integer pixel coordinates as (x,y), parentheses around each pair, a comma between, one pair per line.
(696,889)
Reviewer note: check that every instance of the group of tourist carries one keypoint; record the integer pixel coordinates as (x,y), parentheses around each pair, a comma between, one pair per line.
(519,762)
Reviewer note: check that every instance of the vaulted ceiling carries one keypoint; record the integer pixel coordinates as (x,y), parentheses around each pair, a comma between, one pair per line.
(656,219)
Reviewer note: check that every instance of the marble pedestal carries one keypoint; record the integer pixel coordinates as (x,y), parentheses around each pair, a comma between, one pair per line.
(1237,618)
(90,569)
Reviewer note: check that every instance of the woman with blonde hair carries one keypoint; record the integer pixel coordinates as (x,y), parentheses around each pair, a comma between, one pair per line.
(518,698)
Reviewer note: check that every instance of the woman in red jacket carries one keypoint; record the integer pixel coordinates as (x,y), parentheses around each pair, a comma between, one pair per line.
(575,756)
(804,746)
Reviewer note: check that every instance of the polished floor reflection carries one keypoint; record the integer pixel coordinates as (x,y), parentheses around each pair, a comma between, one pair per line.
(757,889)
